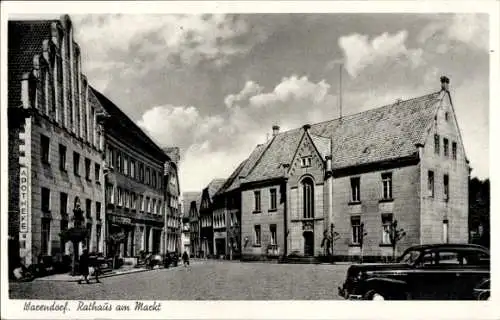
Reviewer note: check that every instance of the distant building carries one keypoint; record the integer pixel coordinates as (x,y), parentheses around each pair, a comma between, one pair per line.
(172,198)
(209,223)
(404,161)
(192,202)
(188,199)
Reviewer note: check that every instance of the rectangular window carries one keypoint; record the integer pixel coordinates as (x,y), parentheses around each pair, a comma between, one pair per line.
(76,164)
(45,145)
(436,144)
(257,234)
(158,208)
(109,194)
(272,230)
(98,237)
(125,199)
(272,196)
(445,147)
(355,193)
(120,196)
(147,205)
(154,178)
(63,204)
(141,201)
(148,176)
(62,157)
(387,185)
(356,229)
(97,173)
(257,201)
(141,172)
(119,161)
(134,201)
(45,241)
(45,200)
(98,211)
(386,228)
(306,161)
(454,150)
(87,168)
(125,165)
(430,183)
(446,187)
(88,208)
(132,168)
(445,231)
(153,205)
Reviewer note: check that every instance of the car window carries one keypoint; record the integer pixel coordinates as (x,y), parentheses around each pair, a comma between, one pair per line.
(477,258)
(451,258)
(429,258)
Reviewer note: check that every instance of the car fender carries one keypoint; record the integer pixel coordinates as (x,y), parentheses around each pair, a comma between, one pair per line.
(391,287)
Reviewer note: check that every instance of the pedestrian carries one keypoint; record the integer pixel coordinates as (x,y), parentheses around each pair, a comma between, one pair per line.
(97,269)
(185,259)
(84,266)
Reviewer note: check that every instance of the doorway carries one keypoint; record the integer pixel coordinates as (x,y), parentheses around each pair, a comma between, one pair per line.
(308,244)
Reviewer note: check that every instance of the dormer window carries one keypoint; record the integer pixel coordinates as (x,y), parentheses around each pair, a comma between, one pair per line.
(306,161)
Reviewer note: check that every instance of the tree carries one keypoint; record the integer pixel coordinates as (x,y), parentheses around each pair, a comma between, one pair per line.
(395,235)
(362,234)
(329,238)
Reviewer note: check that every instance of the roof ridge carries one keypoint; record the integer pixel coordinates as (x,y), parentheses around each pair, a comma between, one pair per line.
(361,112)
(147,136)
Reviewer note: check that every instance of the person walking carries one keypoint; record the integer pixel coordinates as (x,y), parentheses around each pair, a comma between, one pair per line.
(185,259)
(97,269)
(84,266)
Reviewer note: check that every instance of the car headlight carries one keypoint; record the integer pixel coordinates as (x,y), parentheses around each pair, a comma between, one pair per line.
(360,275)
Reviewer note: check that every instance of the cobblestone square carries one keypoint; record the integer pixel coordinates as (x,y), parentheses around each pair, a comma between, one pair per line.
(205,280)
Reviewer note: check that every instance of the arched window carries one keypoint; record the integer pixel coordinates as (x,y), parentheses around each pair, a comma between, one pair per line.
(308,197)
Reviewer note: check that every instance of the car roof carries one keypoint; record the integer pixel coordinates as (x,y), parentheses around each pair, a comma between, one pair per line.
(448,246)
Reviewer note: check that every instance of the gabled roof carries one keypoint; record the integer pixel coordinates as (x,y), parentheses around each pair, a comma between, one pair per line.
(25,40)
(380,134)
(214,186)
(119,118)
(232,182)
(187,199)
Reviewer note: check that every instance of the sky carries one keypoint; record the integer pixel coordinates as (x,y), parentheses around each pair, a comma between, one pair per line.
(214,84)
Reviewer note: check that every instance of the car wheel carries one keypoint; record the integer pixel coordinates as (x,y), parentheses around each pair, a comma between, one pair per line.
(375,296)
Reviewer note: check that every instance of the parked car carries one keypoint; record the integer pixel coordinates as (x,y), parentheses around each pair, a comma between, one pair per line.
(482,291)
(424,272)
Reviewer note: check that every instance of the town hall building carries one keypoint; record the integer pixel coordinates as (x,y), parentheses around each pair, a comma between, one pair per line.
(404,161)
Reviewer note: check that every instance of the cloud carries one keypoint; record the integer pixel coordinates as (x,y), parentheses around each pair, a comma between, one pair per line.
(220,142)
(447,30)
(137,44)
(361,53)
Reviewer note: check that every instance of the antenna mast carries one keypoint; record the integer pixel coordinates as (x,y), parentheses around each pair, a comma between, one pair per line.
(340,90)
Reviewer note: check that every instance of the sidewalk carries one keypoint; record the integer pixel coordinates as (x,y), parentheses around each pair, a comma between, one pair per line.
(69,278)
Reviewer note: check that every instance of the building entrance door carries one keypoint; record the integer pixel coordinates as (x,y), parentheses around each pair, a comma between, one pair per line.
(308,244)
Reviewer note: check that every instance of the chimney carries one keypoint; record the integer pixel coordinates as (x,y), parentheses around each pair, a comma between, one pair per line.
(276,130)
(445,83)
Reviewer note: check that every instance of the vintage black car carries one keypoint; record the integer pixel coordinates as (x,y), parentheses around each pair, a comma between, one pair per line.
(424,272)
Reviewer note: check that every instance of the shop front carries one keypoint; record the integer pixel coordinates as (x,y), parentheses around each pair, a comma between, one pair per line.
(220,243)
(121,236)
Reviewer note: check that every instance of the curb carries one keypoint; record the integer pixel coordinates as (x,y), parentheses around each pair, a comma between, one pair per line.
(113,274)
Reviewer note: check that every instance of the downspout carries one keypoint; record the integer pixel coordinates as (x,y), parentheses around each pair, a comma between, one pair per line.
(285,209)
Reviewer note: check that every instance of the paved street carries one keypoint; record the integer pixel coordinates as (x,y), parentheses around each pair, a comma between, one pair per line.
(207,280)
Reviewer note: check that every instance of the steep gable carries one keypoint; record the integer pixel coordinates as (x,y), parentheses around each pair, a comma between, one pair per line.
(306,152)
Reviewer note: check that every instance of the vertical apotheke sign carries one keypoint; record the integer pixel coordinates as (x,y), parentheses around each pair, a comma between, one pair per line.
(23,200)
